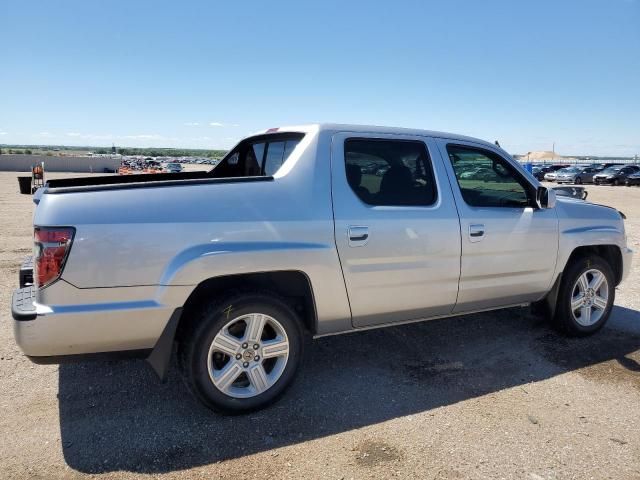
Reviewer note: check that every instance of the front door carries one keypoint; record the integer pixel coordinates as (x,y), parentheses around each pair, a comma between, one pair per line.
(396,227)
(509,246)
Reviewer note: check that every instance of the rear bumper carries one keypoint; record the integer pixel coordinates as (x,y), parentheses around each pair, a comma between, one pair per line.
(60,331)
(63,322)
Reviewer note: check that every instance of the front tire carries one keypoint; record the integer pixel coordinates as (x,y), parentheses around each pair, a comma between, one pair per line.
(578,181)
(586,296)
(242,353)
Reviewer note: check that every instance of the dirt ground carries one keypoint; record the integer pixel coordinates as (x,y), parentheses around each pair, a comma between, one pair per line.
(497,395)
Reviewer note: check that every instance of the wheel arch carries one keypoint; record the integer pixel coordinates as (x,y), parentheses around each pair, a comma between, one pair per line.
(294,286)
(610,253)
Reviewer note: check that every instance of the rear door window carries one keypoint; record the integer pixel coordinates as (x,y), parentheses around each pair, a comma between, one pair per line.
(389,172)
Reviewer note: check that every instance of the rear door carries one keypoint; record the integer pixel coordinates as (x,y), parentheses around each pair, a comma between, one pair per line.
(396,227)
(509,247)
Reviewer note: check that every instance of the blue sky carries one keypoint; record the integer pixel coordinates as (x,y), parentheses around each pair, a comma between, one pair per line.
(204,74)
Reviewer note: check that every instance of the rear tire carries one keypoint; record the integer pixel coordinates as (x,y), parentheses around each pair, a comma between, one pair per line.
(241,354)
(586,296)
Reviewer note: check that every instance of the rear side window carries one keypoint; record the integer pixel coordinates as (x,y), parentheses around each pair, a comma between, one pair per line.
(258,156)
(389,172)
(277,153)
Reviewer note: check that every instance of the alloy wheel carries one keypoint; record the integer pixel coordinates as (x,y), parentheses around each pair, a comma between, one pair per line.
(248,355)
(590,297)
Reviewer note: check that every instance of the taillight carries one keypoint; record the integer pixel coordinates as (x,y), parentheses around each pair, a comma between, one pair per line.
(51,245)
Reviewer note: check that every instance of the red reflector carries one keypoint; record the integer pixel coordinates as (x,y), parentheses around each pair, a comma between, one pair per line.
(52,246)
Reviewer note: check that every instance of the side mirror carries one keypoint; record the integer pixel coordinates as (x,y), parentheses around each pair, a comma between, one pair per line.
(546,197)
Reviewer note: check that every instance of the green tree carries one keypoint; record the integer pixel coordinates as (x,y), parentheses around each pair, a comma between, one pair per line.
(27,152)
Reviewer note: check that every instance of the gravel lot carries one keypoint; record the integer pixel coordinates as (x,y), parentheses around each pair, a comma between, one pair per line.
(495,395)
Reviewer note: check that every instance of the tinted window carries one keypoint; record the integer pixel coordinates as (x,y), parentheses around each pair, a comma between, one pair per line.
(389,172)
(486,179)
(277,153)
(275,157)
(263,155)
(258,151)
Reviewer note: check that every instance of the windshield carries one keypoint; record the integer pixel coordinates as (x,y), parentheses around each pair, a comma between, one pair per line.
(611,170)
(173,165)
(570,170)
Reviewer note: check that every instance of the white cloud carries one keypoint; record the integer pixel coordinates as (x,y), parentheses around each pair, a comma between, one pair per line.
(192,124)
(3,133)
(216,124)
(73,134)
(45,134)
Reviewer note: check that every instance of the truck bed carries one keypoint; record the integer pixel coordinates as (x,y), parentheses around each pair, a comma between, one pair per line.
(121,182)
(121,179)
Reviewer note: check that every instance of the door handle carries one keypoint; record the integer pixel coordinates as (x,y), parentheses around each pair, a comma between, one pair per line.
(358,236)
(476,232)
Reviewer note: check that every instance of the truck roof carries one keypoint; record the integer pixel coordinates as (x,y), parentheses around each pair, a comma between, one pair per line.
(344,127)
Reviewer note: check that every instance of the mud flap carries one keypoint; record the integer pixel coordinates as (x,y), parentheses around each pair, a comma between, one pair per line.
(547,306)
(161,353)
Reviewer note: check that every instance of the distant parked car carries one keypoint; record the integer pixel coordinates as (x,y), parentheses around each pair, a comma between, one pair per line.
(535,170)
(550,175)
(632,179)
(173,168)
(602,166)
(577,175)
(616,175)
(470,173)
(544,169)
(538,172)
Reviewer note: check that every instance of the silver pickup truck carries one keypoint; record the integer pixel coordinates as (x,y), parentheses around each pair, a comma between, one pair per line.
(303,232)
